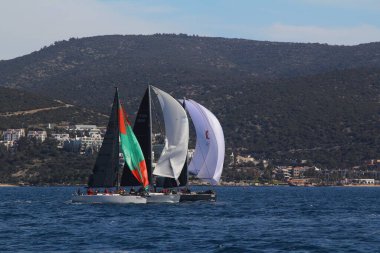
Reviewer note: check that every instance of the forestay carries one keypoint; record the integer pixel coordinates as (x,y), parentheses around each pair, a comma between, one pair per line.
(208,158)
(173,156)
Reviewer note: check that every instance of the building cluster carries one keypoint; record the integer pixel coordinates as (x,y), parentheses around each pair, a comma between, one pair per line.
(84,139)
(12,136)
(302,174)
(290,172)
(80,138)
(297,175)
(40,135)
(76,138)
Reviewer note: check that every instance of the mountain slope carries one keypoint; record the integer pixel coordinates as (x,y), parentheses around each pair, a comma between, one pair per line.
(279,100)
(81,71)
(21,109)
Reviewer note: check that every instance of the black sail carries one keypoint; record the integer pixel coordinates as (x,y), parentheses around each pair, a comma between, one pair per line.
(183,176)
(105,171)
(143,132)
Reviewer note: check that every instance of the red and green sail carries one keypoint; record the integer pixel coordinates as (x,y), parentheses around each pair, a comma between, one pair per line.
(131,149)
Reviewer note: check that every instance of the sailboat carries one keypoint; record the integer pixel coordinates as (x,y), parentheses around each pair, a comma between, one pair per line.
(105,174)
(173,156)
(172,169)
(208,158)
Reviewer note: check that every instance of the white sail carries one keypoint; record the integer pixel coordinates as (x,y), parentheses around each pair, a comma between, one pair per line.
(208,158)
(173,156)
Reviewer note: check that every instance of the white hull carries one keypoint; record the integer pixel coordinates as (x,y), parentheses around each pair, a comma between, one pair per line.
(155,197)
(109,199)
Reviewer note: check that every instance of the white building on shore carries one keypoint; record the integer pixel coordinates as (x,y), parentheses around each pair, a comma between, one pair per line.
(94,141)
(61,138)
(363,181)
(85,127)
(39,135)
(12,135)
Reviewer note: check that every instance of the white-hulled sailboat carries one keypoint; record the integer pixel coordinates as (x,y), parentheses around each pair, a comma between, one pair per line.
(173,156)
(106,170)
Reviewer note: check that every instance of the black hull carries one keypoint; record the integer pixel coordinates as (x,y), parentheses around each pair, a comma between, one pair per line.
(197,197)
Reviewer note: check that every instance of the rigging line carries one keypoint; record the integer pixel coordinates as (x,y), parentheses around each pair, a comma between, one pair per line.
(187,153)
(150,127)
(209,125)
(116,132)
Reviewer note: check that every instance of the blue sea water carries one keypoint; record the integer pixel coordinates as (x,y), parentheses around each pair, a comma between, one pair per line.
(244,219)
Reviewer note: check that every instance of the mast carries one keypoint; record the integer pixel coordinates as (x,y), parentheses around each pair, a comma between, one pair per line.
(149,156)
(185,167)
(117,140)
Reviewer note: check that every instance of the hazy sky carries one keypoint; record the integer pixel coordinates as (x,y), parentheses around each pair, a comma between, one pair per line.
(28,25)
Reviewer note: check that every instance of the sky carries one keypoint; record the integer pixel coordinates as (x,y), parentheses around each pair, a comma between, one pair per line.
(29,25)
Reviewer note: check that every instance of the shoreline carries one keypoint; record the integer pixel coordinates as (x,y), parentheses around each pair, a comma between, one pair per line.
(9,185)
(224,184)
(362,185)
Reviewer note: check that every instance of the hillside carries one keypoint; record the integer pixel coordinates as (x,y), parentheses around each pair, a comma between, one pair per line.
(277,100)
(13,100)
(81,71)
(332,119)
(20,109)
(37,163)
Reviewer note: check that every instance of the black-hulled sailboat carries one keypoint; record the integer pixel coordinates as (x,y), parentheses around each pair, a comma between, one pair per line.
(208,158)
(106,170)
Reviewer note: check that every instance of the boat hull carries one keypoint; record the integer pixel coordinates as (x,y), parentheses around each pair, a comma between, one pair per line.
(194,196)
(109,199)
(163,198)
